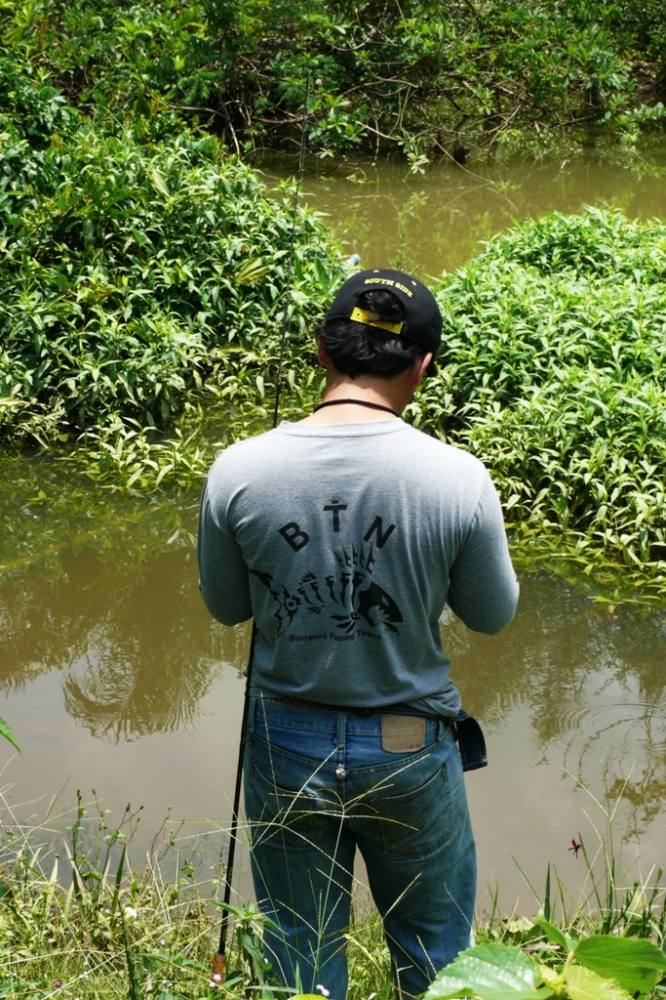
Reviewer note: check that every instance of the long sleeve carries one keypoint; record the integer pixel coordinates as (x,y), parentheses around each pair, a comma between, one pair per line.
(223,575)
(483,590)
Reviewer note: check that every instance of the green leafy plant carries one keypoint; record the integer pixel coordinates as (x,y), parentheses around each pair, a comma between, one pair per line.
(600,967)
(552,372)
(7,734)
(136,278)
(388,75)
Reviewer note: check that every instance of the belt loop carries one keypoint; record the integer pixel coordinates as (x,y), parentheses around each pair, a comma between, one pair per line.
(252,712)
(341,731)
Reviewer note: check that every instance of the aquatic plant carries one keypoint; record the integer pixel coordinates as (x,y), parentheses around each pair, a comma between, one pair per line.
(552,371)
(134,277)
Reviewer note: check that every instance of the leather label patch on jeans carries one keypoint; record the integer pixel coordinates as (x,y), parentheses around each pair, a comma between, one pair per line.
(403,732)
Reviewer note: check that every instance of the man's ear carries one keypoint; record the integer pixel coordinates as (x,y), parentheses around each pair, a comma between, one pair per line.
(421,368)
(322,355)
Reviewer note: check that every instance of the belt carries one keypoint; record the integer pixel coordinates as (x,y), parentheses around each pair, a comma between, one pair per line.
(284,699)
(466,729)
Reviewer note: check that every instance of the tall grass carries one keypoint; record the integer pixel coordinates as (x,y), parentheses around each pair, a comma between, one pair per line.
(79,919)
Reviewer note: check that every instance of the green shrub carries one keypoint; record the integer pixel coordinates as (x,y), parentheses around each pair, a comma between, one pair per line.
(396,75)
(552,371)
(128,270)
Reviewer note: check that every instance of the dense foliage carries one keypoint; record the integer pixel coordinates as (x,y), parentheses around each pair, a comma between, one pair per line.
(417,75)
(131,271)
(553,373)
(145,287)
(146,284)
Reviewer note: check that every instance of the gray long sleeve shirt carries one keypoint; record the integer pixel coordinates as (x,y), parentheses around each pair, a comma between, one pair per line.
(345,541)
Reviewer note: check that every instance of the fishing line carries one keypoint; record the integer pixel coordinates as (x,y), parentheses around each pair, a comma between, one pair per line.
(292,241)
(220,959)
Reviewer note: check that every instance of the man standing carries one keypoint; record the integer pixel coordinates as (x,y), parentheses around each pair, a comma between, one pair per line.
(344,535)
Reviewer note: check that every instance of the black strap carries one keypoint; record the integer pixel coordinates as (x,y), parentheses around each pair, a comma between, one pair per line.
(284,699)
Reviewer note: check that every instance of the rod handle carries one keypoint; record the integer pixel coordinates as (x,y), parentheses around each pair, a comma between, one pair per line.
(217,977)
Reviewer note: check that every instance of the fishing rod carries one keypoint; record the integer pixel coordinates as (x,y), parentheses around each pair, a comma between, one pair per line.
(220,959)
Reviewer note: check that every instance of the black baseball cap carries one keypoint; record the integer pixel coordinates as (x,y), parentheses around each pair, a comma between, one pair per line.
(423,321)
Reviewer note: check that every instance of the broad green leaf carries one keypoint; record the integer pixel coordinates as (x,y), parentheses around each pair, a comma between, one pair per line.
(251,271)
(583,984)
(633,963)
(8,734)
(159,183)
(492,972)
(554,934)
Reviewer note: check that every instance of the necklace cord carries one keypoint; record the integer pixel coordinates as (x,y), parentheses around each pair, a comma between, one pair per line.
(357,402)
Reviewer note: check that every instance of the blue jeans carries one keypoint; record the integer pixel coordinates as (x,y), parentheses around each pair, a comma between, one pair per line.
(319,784)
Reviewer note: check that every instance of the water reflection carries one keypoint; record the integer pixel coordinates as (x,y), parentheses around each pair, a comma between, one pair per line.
(590,684)
(137,654)
(435,221)
(133,642)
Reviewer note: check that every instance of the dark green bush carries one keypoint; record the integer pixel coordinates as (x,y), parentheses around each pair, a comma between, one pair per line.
(552,371)
(417,75)
(127,271)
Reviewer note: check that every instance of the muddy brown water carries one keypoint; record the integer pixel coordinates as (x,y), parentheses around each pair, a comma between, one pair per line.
(115,680)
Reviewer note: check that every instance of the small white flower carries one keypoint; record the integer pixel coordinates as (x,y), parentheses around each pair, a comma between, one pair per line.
(322,989)
(131,913)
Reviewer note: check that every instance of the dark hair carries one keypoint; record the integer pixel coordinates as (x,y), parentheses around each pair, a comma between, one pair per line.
(356,349)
